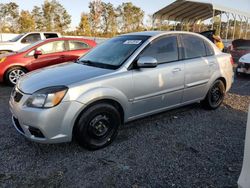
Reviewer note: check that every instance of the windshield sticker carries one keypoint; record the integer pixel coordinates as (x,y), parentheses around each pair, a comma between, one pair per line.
(132,42)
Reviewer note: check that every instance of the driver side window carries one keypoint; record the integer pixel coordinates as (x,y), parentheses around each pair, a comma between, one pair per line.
(164,49)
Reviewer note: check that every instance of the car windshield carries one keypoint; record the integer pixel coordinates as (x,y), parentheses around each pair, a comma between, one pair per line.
(16,38)
(114,52)
(30,46)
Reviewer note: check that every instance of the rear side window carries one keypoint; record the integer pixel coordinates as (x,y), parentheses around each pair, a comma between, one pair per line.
(193,47)
(209,49)
(50,35)
(77,45)
(52,47)
(164,49)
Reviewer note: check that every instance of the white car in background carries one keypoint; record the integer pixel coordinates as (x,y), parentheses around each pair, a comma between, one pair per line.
(244,65)
(244,180)
(25,39)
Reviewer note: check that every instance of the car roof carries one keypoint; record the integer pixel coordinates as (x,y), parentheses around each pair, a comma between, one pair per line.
(158,33)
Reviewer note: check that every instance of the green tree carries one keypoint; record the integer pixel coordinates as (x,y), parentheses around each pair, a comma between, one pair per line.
(9,13)
(84,25)
(26,22)
(55,16)
(37,15)
(130,17)
(109,19)
(95,14)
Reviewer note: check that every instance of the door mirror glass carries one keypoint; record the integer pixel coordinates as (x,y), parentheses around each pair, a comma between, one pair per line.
(147,62)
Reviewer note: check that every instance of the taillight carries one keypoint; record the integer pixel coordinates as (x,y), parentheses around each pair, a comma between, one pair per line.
(231,61)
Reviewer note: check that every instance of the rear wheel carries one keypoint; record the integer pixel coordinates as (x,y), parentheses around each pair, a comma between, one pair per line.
(98,126)
(14,74)
(215,96)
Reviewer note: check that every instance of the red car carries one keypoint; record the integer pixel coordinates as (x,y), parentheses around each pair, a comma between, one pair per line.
(41,54)
(239,48)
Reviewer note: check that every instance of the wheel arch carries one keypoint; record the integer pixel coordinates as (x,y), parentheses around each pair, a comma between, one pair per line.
(223,80)
(11,67)
(112,102)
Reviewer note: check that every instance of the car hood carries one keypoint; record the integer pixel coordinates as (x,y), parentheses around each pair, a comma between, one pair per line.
(5,44)
(8,54)
(63,74)
(245,58)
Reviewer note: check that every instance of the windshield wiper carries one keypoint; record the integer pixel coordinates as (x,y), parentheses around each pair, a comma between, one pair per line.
(96,64)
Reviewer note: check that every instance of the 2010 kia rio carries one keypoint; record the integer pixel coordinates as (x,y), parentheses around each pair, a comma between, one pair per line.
(125,78)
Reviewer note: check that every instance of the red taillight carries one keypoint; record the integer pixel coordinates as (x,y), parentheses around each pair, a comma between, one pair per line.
(231,61)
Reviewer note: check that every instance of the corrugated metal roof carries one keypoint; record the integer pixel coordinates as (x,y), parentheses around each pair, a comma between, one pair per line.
(194,10)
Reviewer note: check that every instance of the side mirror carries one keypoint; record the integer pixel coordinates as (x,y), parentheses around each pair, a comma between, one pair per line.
(24,41)
(147,62)
(37,53)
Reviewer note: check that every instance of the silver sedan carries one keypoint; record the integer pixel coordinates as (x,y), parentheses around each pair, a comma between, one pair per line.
(125,78)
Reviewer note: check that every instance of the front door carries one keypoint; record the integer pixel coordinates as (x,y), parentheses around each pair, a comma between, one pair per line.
(158,88)
(52,53)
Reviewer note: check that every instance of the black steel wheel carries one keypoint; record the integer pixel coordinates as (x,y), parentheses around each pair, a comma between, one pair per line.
(215,96)
(98,126)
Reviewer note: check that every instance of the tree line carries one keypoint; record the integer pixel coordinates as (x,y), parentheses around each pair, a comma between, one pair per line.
(103,19)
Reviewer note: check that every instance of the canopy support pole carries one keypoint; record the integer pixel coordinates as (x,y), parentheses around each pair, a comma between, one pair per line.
(200,26)
(240,25)
(213,19)
(234,16)
(246,19)
(228,15)
(220,24)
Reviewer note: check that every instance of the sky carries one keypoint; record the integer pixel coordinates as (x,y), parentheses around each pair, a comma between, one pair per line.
(76,7)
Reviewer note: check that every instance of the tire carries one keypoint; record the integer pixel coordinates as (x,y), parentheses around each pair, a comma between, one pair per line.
(98,126)
(13,74)
(215,96)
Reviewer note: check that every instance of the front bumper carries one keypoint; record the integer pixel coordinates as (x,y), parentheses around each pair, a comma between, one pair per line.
(243,68)
(52,125)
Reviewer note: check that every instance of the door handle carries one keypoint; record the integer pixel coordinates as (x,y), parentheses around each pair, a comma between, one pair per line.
(62,56)
(176,70)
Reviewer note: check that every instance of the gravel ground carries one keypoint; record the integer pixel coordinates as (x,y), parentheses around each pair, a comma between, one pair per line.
(186,147)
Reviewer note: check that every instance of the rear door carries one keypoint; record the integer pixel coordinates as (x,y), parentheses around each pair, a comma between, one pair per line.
(198,67)
(160,87)
(52,53)
(75,49)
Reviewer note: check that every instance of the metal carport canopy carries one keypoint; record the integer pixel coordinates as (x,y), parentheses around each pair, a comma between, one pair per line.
(194,10)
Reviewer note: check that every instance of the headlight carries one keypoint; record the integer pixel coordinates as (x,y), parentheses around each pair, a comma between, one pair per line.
(2,59)
(47,97)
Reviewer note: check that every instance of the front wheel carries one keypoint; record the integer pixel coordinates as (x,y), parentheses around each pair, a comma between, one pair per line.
(14,74)
(215,96)
(98,126)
